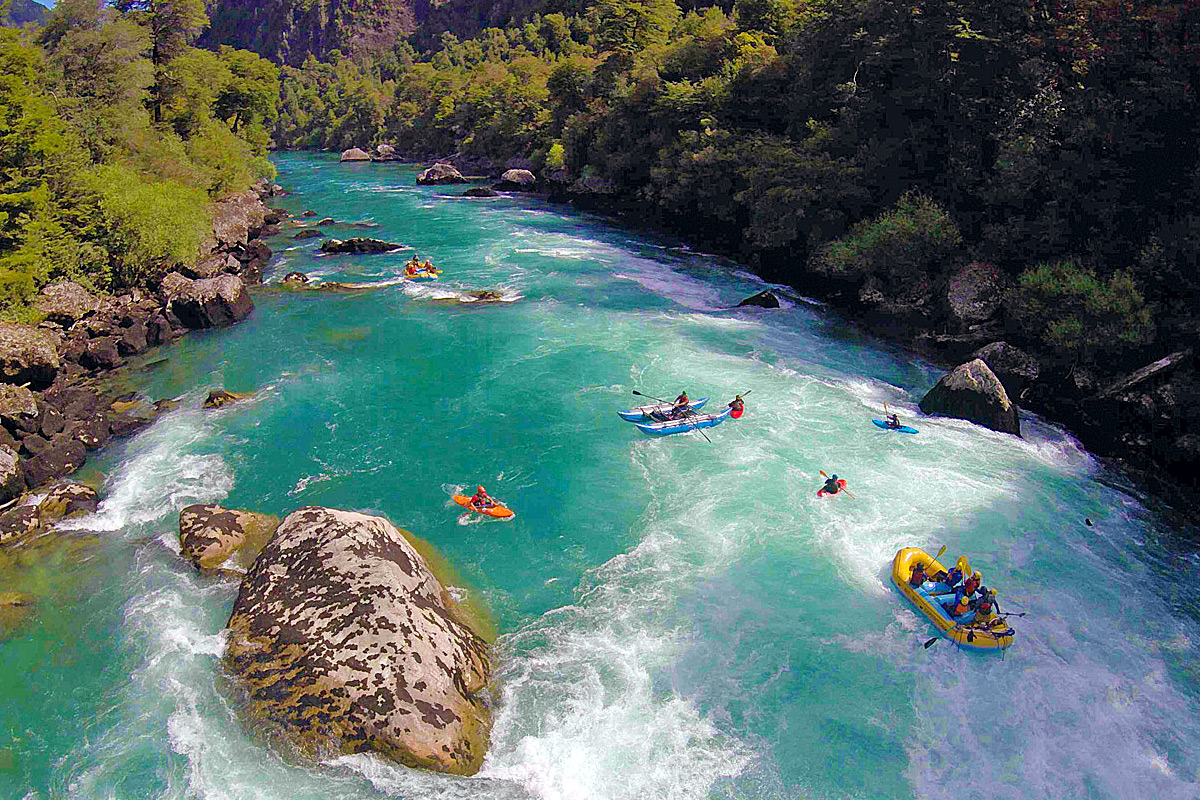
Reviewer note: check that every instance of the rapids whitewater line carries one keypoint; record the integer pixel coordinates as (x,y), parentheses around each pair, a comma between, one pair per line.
(677,619)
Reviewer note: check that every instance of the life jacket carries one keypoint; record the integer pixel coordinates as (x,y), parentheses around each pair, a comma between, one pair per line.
(918,577)
(970,585)
(985,604)
(961,604)
(738,407)
(832,486)
(954,576)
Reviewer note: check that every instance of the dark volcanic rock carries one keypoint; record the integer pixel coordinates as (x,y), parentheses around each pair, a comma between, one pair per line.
(91,431)
(159,331)
(134,340)
(17,405)
(764,299)
(61,458)
(218,398)
(209,534)
(480,191)
(973,392)
(343,639)
(18,522)
(27,355)
(311,233)
(101,354)
(359,245)
(67,500)
(440,175)
(212,303)
(295,279)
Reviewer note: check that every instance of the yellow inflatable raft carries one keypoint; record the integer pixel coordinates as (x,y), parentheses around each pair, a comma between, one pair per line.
(992,633)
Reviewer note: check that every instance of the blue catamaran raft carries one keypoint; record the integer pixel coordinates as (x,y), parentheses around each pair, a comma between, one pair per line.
(657,412)
(692,422)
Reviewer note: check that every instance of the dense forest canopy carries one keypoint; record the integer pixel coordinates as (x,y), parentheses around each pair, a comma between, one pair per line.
(118,134)
(1058,140)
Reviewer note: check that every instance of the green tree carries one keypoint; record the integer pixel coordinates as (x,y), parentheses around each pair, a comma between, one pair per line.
(631,26)
(173,25)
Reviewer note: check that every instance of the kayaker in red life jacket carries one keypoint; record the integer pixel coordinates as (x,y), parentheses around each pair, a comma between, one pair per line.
(738,405)
(831,485)
(481,499)
(918,576)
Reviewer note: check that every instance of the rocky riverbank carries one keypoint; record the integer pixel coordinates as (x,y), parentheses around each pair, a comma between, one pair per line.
(53,408)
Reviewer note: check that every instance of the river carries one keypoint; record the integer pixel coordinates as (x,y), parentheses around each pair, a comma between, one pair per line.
(677,618)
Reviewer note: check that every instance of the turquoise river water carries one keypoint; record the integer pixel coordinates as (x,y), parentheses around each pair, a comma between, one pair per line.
(677,618)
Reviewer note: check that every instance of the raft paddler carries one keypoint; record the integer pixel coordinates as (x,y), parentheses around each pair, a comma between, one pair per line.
(918,577)
(679,408)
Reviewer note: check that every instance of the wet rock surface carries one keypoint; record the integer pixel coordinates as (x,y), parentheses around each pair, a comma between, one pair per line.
(973,392)
(343,640)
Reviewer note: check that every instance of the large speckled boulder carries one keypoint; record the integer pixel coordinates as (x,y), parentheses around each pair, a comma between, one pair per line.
(209,534)
(345,641)
(355,154)
(27,355)
(213,302)
(67,500)
(973,392)
(16,403)
(440,174)
(516,179)
(66,302)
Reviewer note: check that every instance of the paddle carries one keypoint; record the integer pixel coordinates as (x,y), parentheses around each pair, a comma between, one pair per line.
(844,489)
(686,411)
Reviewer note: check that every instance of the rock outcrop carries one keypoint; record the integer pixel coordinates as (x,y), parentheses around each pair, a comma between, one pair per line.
(67,500)
(210,535)
(480,191)
(764,299)
(358,246)
(974,294)
(343,640)
(66,302)
(1015,368)
(212,303)
(27,356)
(12,474)
(516,180)
(385,152)
(440,175)
(973,392)
(355,154)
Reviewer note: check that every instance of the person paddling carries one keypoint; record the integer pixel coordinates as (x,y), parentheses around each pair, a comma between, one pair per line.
(481,499)
(739,406)
(893,421)
(832,486)
(918,577)
(680,406)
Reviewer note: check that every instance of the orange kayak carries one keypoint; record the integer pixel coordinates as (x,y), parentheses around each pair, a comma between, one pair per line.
(496,511)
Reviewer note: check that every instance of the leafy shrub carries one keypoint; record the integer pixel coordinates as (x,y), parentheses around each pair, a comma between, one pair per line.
(1080,315)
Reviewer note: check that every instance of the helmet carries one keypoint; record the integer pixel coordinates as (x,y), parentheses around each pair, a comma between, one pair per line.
(834,476)
(479,488)
(978,575)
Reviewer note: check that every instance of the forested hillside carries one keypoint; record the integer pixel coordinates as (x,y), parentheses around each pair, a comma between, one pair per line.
(117,135)
(23,12)
(865,151)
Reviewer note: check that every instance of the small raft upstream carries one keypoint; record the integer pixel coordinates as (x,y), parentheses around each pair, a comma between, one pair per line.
(964,631)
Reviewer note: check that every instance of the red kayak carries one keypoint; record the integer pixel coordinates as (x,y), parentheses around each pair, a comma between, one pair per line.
(737,412)
(841,485)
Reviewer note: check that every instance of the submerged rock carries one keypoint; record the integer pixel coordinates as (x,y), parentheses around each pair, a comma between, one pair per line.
(973,392)
(764,299)
(219,398)
(344,640)
(309,234)
(440,174)
(210,535)
(295,279)
(480,191)
(358,245)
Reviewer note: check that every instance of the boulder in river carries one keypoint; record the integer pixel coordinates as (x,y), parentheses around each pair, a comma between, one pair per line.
(66,302)
(294,279)
(356,154)
(973,392)
(480,191)
(386,152)
(358,246)
(62,456)
(439,175)
(27,355)
(343,640)
(210,535)
(219,398)
(311,233)
(212,303)
(516,180)
(764,299)
(1015,368)
(67,500)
